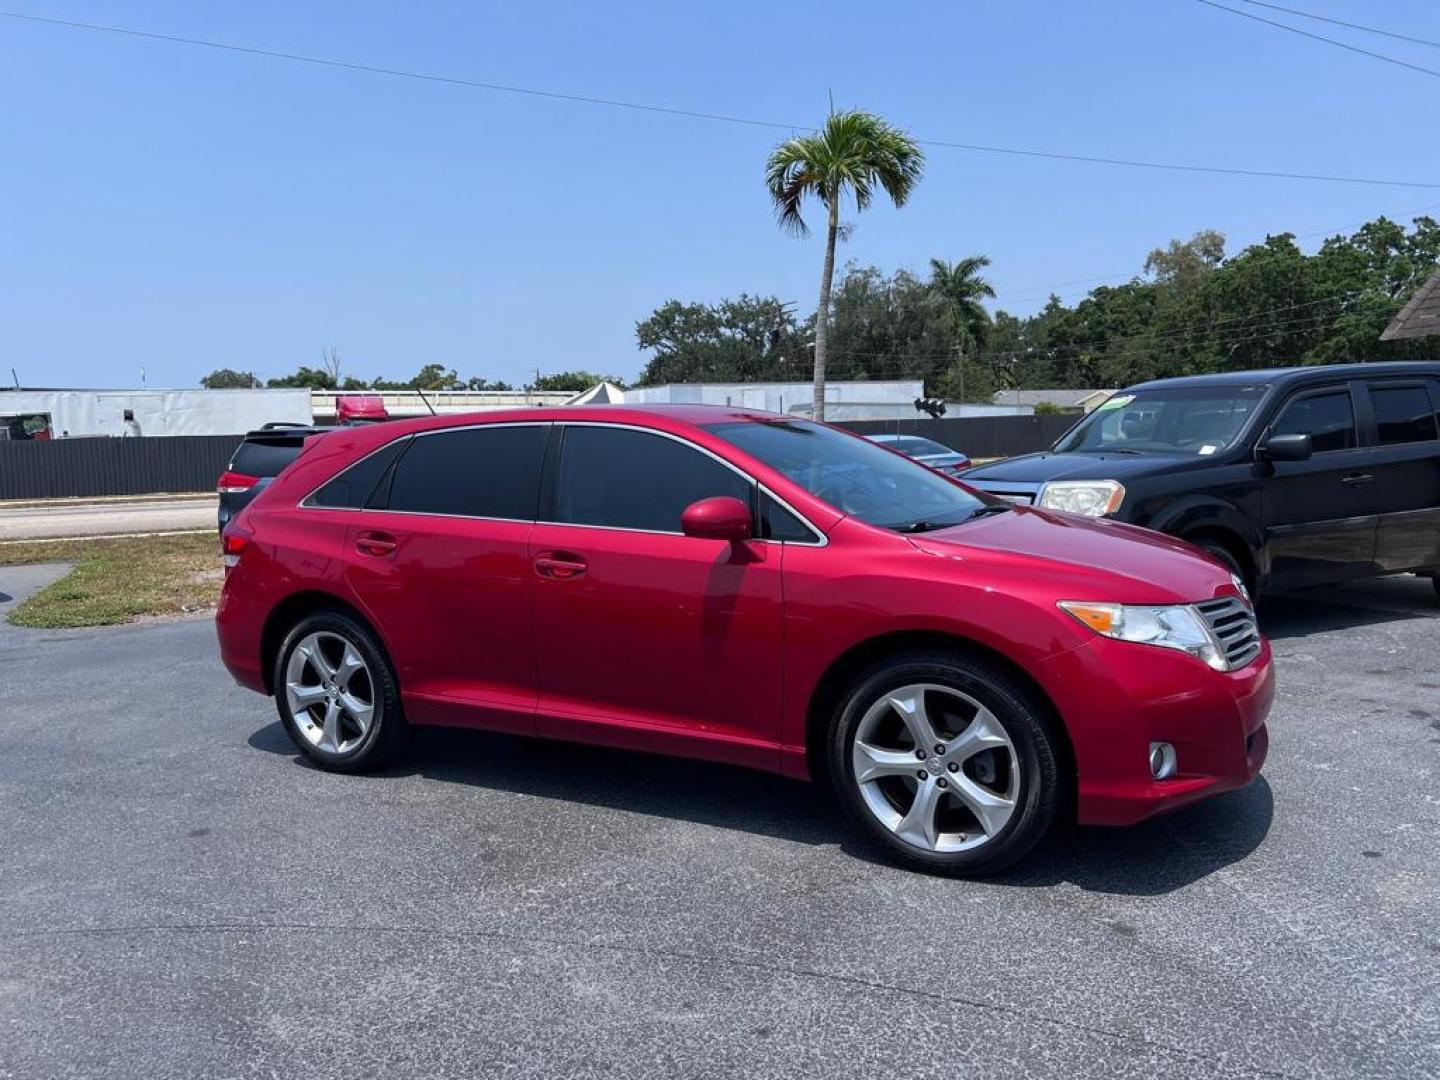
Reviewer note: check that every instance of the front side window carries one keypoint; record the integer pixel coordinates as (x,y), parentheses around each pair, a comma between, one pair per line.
(1199,420)
(630,479)
(1329,420)
(1403,414)
(855,476)
(489,471)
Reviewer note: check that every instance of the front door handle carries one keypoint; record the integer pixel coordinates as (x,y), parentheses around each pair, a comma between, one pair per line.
(560,565)
(1356,479)
(375,543)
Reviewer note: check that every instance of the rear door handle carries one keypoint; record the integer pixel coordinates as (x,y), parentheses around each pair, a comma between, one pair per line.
(560,565)
(375,543)
(1356,479)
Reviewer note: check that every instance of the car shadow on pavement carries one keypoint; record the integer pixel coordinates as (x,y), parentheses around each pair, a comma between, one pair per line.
(1367,603)
(1155,857)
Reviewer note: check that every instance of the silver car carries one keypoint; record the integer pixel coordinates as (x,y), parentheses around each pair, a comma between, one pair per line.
(926,451)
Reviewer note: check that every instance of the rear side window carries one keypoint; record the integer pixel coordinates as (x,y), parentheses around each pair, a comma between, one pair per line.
(257,458)
(1403,414)
(636,480)
(1329,420)
(491,471)
(353,487)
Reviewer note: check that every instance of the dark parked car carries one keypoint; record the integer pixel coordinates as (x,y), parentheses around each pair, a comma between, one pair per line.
(926,451)
(1293,477)
(257,460)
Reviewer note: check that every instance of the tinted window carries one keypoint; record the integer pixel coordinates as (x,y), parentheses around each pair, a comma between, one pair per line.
(254,458)
(919,447)
(478,472)
(635,480)
(1403,414)
(853,475)
(1329,420)
(777,523)
(352,487)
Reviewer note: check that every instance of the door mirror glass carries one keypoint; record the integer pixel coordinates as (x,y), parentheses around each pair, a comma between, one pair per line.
(720,518)
(1289,448)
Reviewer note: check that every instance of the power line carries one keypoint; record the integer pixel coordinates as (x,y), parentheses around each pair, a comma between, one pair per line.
(693,114)
(1342,22)
(1035,292)
(1321,37)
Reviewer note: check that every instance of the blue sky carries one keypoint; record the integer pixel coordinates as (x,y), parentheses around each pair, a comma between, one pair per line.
(186,209)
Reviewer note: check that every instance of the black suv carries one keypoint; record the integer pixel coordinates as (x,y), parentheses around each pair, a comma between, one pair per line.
(1294,477)
(258,460)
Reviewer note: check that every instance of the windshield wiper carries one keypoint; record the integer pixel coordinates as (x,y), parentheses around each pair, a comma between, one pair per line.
(927,526)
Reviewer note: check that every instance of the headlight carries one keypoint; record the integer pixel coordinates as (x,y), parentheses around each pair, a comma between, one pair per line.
(1177,627)
(1093,498)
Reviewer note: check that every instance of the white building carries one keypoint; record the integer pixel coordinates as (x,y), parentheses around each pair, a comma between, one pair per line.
(877,400)
(82,412)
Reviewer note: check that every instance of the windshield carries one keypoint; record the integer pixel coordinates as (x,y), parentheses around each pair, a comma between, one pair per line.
(1197,420)
(854,475)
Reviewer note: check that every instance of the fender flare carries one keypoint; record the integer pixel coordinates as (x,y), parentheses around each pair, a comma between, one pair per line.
(1195,512)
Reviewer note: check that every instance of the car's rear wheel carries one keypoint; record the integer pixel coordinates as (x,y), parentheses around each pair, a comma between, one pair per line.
(336,693)
(947,762)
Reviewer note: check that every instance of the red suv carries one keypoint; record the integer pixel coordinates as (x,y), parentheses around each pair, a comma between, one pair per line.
(751,589)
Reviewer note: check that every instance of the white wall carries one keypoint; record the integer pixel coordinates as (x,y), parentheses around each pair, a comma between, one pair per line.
(159,412)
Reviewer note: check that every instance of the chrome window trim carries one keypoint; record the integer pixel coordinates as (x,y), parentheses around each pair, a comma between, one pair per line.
(821,540)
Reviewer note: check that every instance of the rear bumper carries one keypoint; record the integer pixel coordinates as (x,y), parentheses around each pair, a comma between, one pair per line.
(239,624)
(1117,698)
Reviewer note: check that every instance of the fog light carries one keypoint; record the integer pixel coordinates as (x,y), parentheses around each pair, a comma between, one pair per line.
(1162,760)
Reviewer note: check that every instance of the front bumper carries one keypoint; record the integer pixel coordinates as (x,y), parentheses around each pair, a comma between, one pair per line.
(1117,697)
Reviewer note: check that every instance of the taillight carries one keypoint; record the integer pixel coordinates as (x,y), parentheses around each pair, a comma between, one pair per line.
(231,482)
(232,546)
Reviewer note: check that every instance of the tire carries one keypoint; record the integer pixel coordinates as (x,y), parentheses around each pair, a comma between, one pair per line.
(1223,554)
(332,665)
(1000,749)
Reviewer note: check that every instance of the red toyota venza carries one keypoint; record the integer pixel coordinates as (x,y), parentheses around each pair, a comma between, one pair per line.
(752,589)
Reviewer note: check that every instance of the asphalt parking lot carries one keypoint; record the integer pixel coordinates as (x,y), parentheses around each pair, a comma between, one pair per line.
(180,896)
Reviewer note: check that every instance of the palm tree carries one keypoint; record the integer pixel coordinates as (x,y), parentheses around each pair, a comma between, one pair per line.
(855,152)
(960,287)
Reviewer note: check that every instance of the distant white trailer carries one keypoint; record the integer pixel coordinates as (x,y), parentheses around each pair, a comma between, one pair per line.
(76,413)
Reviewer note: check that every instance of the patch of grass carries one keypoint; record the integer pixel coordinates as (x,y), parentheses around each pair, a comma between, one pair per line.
(119,580)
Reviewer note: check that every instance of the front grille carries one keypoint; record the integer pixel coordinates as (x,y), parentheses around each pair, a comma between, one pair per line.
(1012,496)
(1233,625)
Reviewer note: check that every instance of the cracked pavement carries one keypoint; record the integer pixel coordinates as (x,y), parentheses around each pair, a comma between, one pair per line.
(181,897)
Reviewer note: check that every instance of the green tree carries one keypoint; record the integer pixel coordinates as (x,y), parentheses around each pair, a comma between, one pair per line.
(229,379)
(742,340)
(855,152)
(961,289)
(312,378)
(573,381)
(477,383)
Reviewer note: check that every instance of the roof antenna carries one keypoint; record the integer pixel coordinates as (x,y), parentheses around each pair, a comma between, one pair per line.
(15,377)
(426,400)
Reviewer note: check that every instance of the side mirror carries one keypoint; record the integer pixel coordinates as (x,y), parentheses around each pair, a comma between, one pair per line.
(721,518)
(1288,448)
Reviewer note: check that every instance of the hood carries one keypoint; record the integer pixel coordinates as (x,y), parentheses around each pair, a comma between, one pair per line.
(1039,468)
(1085,558)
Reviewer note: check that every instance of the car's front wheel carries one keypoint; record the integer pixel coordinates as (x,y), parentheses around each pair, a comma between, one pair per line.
(336,693)
(947,761)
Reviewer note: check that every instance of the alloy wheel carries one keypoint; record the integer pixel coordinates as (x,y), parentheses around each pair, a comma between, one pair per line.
(330,691)
(936,767)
